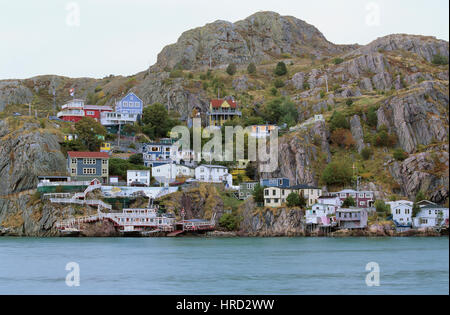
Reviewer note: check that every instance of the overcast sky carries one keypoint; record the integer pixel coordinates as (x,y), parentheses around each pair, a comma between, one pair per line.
(123,37)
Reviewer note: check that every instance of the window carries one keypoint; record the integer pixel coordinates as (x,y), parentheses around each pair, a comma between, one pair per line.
(104,171)
(266,192)
(91,113)
(89,161)
(274,192)
(89,171)
(74,171)
(104,161)
(74,161)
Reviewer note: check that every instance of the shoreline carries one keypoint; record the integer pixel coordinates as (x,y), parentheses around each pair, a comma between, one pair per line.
(240,234)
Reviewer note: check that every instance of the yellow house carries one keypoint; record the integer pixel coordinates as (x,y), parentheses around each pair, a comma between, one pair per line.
(105,147)
(221,111)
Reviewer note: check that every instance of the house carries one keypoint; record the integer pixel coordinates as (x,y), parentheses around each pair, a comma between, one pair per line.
(336,202)
(213,174)
(320,214)
(276,196)
(86,166)
(131,104)
(310,193)
(262,131)
(138,176)
(402,212)
(352,218)
(158,153)
(113,180)
(167,173)
(431,216)
(75,110)
(112,120)
(363,199)
(246,189)
(221,111)
(281,182)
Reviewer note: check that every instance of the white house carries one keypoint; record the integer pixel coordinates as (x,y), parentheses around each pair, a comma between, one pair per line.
(401,212)
(318,214)
(167,173)
(213,174)
(138,176)
(431,215)
(336,202)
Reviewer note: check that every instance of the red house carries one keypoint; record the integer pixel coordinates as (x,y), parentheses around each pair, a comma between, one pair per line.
(363,199)
(76,109)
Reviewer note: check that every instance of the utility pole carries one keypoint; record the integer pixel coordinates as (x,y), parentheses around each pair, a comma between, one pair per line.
(118,136)
(168,102)
(54,101)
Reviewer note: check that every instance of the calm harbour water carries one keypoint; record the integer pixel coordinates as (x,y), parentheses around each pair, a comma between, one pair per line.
(224,266)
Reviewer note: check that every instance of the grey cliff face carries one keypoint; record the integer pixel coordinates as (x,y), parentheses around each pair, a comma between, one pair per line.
(25,154)
(418,116)
(423,46)
(255,39)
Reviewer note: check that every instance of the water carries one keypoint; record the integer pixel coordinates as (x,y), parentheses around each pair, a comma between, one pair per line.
(224,266)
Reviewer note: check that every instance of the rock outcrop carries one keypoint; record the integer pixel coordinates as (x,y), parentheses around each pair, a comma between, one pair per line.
(298,151)
(418,116)
(255,39)
(424,46)
(27,151)
(271,222)
(426,172)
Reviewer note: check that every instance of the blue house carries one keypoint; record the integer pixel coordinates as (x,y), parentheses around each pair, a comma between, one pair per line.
(86,166)
(281,182)
(157,153)
(130,104)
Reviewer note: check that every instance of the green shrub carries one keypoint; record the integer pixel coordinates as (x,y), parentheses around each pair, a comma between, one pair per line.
(322,94)
(251,69)
(274,91)
(229,221)
(372,118)
(280,69)
(306,86)
(258,194)
(337,173)
(278,83)
(349,102)
(382,208)
(295,200)
(366,153)
(338,120)
(176,73)
(400,155)
(338,61)
(349,202)
(439,60)
(231,69)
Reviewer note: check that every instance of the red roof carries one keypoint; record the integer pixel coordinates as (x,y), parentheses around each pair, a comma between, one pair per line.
(98,155)
(218,103)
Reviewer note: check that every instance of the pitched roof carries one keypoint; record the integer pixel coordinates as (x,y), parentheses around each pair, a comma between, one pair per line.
(303,187)
(218,103)
(98,155)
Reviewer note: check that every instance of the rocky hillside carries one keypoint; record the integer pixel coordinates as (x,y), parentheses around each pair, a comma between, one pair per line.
(260,37)
(391,88)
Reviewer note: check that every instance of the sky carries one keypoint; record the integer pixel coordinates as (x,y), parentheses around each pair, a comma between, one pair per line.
(96,38)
